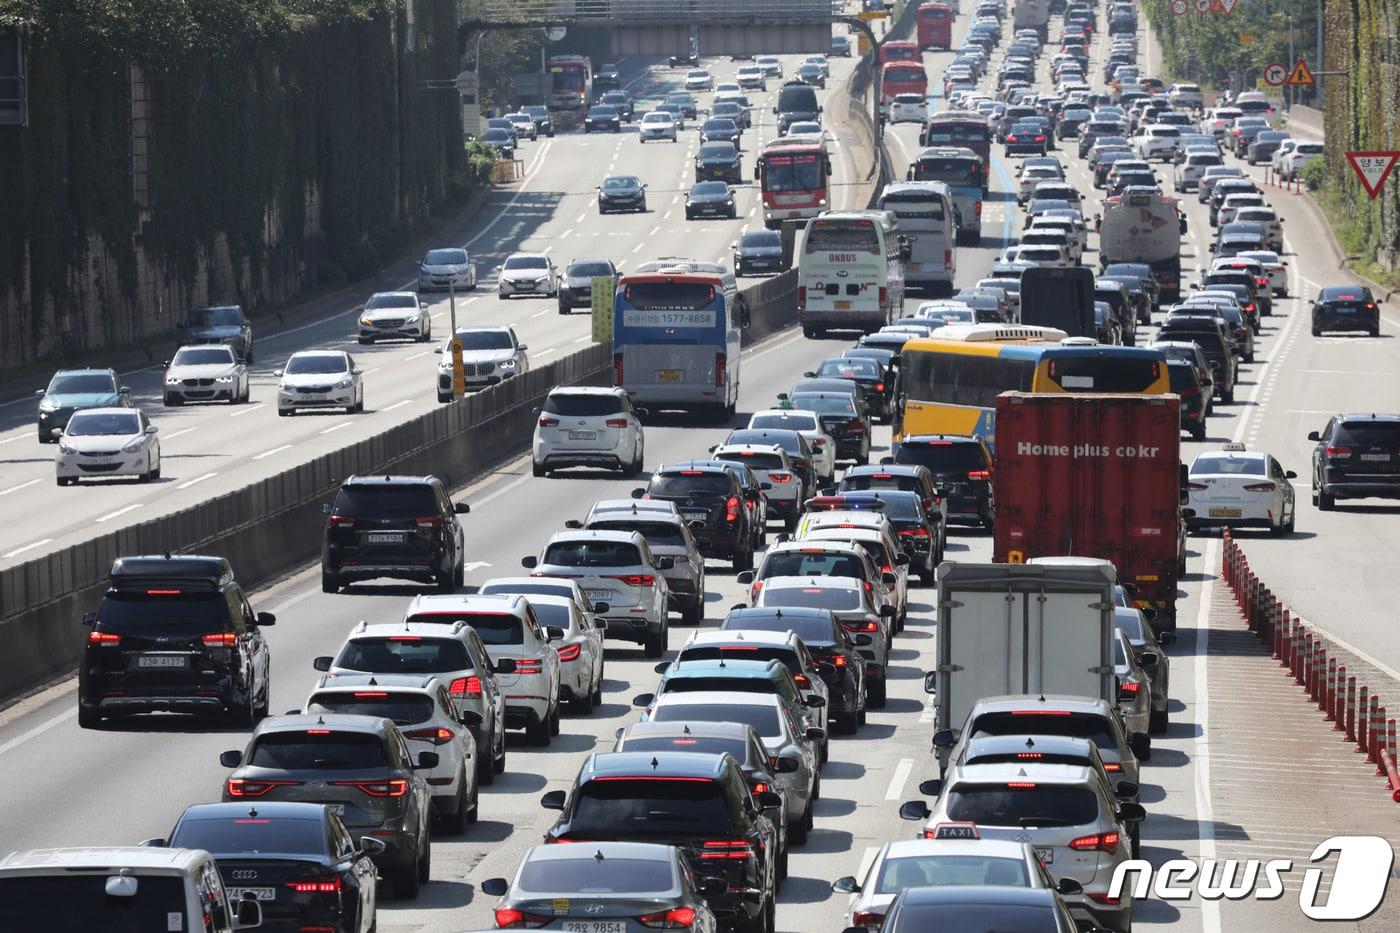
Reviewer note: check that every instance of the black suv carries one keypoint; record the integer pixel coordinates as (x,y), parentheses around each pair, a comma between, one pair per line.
(359,765)
(711,498)
(961,467)
(835,649)
(1186,383)
(701,804)
(1215,341)
(1356,457)
(1346,307)
(176,635)
(1116,295)
(403,527)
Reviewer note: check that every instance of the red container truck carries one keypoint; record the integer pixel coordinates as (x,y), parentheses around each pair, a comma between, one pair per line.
(1094,476)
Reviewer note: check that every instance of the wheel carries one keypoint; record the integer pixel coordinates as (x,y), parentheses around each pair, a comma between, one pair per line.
(875,693)
(364,341)
(554,720)
(1197,431)
(455,823)
(485,767)
(694,614)
(846,723)
(445,582)
(1292,519)
(284,412)
(1375,332)
(797,835)
(329,583)
(564,309)
(1228,396)
(144,477)
(1325,501)
(1158,723)
(689,215)
(655,645)
(926,575)
(539,469)
(744,560)
(173,401)
(537,733)
(444,398)
(62,481)
(358,407)
(583,706)
(89,718)
(425,861)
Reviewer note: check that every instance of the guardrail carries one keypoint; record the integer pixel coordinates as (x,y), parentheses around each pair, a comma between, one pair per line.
(1354,709)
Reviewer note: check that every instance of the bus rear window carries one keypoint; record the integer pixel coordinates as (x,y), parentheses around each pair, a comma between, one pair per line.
(1104,374)
(844,235)
(669,296)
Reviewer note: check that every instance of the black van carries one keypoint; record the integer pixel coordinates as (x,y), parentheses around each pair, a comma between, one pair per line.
(797,103)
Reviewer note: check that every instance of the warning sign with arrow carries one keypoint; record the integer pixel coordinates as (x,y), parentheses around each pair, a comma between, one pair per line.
(1275,73)
(1373,168)
(1301,75)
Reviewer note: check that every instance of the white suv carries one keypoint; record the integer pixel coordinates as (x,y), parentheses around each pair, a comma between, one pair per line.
(491,353)
(771,465)
(430,720)
(1156,142)
(509,629)
(1190,169)
(588,426)
(617,568)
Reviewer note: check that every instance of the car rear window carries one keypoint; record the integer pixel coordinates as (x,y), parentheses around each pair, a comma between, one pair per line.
(656,807)
(403,708)
(1022,803)
(582,406)
(1055,722)
(1237,466)
(824,404)
(813,563)
(880,481)
(389,500)
(763,718)
(701,744)
(592,554)
(1183,376)
(1208,342)
(80,902)
(920,871)
(942,456)
(691,483)
(244,836)
(593,877)
(656,533)
(742,653)
(813,630)
(726,684)
(835,598)
(787,422)
(753,460)
(1369,434)
(404,654)
(140,614)
(495,628)
(318,750)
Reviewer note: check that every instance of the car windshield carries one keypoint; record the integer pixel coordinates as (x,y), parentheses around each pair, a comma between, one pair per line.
(203,356)
(691,483)
(591,553)
(318,750)
(392,301)
(404,709)
(835,598)
(590,877)
(620,181)
(404,654)
(763,238)
(654,807)
(656,533)
(485,339)
(709,188)
(1226,465)
(323,363)
(496,136)
(583,405)
(1022,803)
(604,112)
(919,871)
(91,424)
(715,151)
(527,262)
(763,718)
(588,270)
(216,317)
(719,123)
(244,837)
(657,117)
(784,420)
(447,257)
(88,383)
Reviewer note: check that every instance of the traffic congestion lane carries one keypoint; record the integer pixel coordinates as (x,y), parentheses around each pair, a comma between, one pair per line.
(210,449)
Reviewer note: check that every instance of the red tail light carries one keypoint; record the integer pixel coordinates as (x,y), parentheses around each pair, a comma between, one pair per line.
(468,687)
(731,509)
(395,787)
(760,787)
(720,363)
(866,918)
(1104,898)
(1011,139)
(1130,687)
(677,918)
(329,886)
(1197,487)
(529,666)
(547,422)
(838,660)
(979,474)
(861,626)
(238,787)
(914,533)
(569,652)
(634,579)
(104,639)
(780,477)
(509,917)
(801,297)
(726,849)
(616,422)
(1259,487)
(438,736)
(617,369)
(221,639)
(801,680)
(429,521)
(340,521)
(880,386)
(884,297)
(1112,767)
(1103,842)
(755,590)
(1030,756)
(1040,139)
(1341,452)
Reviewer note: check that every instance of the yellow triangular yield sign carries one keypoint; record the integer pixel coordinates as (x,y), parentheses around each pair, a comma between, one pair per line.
(1300,75)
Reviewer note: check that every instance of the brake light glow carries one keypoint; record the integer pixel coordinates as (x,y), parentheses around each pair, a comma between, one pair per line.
(469,687)
(1020,785)
(859,626)
(1030,756)
(369,694)
(838,660)
(801,680)
(429,521)
(780,477)
(1103,899)
(547,422)
(1104,842)
(677,918)
(437,735)
(914,533)
(221,639)
(1259,487)
(1341,452)
(1130,686)
(731,509)
(568,653)
(616,422)
(395,787)
(508,917)
(801,297)
(636,579)
(405,638)
(760,787)
(340,521)
(162,592)
(239,787)
(979,474)
(103,639)
(1112,767)
(617,373)
(720,362)
(726,850)
(866,918)
(529,666)
(692,472)
(315,887)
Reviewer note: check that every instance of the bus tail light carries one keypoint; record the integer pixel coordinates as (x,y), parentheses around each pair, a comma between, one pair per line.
(801,297)
(884,297)
(978,208)
(720,363)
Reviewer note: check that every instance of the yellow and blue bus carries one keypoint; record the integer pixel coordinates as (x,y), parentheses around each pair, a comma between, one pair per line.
(950,380)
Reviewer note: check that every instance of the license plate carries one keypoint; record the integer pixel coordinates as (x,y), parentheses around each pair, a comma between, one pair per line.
(595,926)
(599,595)
(1225,513)
(583,435)
(1376,457)
(843,306)
(1343,309)
(694,516)
(668,375)
(1046,856)
(384,537)
(161,661)
(263,894)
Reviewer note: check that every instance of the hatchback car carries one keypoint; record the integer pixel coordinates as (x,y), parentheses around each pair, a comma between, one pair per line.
(72,390)
(1238,488)
(450,268)
(1356,457)
(394,316)
(103,443)
(668,534)
(404,527)
(206,373)
(588,426)
(321,379)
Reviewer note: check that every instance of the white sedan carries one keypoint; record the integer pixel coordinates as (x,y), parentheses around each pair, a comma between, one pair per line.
(320,379)
(1238,488)
(104,442)
(698,79)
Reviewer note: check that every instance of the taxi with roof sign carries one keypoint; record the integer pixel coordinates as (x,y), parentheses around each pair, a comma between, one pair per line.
(1238,488)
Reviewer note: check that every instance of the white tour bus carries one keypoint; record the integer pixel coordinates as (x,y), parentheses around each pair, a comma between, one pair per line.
(925,213)
(850,273)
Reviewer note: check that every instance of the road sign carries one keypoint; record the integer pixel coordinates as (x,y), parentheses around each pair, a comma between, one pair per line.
(604,288)
(1203,6)
(1224,6)
(1179,7)
(1275,73)
(1373,168)
(871,15)
(1301,76)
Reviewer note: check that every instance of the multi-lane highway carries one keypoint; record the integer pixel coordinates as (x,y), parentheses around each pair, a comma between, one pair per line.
(1236,775)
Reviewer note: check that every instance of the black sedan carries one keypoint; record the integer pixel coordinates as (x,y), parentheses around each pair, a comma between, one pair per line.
(1106,330)
(500,140)
(602,117)
(620,101)
(759,251)
(710,199)
(866,373)
(720,130)
(1346,307)
(1026,139)
(622,193)
(719,161)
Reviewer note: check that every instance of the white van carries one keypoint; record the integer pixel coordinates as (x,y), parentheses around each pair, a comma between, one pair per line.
(925,213)
(850,273)
(128,889)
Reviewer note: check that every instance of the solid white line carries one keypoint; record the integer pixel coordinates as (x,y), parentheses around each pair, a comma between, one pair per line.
(292,601)
(417,355)
(478,503)
(899,778)
(6,492)
(182,433)
(1200,757)
(198,479)
(29,547)
(396,405)
(337,427)
(111,515)
(269,453)
(17,437)
(249,409)
(40,729)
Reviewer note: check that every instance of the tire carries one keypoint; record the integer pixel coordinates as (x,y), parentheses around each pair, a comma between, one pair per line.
(89,718)
(694,614)
(538,733)
(455,823)
(538,469)
(1198,432)
(444,399)
(62,481)
(554,720)
(445,582)
(173,401)
(847,723)
(926,577)
(284,412)
(485,767)
(1325,501)
(425,862)
(583,706)
(1157,724)
(358,407)
(1292,520)
(797,835)
(364,341)
(876,693)
(329,583)
(654,646)
(1228,396)
(744,561)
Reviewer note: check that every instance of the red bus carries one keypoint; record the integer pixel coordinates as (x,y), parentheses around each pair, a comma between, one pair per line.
(900,50)
(902,78)
(570,81)
(964,128)
(792,175)
(935,26)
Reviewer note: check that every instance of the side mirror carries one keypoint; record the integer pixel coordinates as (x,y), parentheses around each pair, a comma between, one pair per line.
(1140,743)
(901,560)
(786,765)
(554,632)
(889,579)
(1290,474)
(1188,513)
(530,563)
(601,608)
(931,788)
(643,699)
(638,493)
(504,666)
(944,738)
(1125,790)
(372,846)
(231,759)
(266,618)
(1314,436)
(525,346)
(846,884)
(863,641)
(460,508)
(931,682)
(323,663)
(815,733)
(427,761)
(1148,660)
(744,576)
(153,844)
(325,508)
(769,799)
(815,702)
(665,563)
(1069,886)
(765,486)
(1131,812)
(248,913)
(554,800)
(662,666)
(914,810)
(89,619)
(573,523)
(471,718)
(887,612)
(1166,639)
(496,887)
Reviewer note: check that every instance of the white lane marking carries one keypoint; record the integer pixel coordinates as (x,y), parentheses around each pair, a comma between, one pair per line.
(245,411)
(581,218)
(418,355)
(471,565)
(584,339)
(6,492)
(291,601)
(541,313)
(198,479)
(268,453)
(40,729)
(17,437)
(546,350)
(899,779)
(182,433)
(478,503)
(655,230)
(337,427)
(119,512)
(29,547)
(1200,757)
(638,247)
(396,405)
(372,369)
